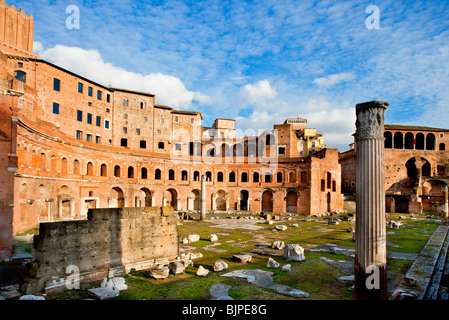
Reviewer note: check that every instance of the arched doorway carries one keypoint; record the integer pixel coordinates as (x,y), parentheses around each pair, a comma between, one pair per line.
(119,198)
(148,196)
(196,199)
(171,196)
(291,201)
(244,196)
(220,202)
(267,201)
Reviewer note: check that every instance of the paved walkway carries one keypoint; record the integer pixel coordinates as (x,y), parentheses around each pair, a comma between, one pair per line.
(427,269)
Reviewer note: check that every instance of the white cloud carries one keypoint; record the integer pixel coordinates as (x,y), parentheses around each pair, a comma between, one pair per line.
(336,121)
(169,90)
(334,79)
(258,92)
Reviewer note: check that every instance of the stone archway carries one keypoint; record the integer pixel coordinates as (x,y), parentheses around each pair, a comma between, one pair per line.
(196,199)
(147,196)
(220,201)
(118,198)
(291,202)
(171,198)
(267,201)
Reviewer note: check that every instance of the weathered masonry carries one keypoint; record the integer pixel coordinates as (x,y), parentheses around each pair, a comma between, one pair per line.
(111,242)
(416,169)
(69,144)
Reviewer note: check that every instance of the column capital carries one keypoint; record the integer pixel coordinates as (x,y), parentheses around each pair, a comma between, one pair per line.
(370,120)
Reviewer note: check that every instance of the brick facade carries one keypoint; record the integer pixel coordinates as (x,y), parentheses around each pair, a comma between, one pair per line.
(75,144)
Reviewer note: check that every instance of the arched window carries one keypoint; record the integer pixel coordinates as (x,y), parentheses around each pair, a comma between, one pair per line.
(430,141)
(442,147)
(130,172)
(196,176)
(220,176)
(171,174)
(90,169)
(144,173)
(279,177)
(409,140)
(398,140)
(157,174)
(184,175)
(232,177)
(64,165)
(143,105)
(244,177)
(76,167)
(256,177)
(104,170)
(208,176)
(329,180)
(268,177)
(117,171)
(419,141)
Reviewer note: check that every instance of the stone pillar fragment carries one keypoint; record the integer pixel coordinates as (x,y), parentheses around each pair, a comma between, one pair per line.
(370,236)
(445,204)
(203,198)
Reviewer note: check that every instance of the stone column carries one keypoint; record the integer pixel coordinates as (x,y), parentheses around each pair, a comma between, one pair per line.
(203,198)
(370,235)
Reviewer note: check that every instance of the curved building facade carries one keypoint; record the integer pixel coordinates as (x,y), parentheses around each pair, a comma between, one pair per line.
(69,144)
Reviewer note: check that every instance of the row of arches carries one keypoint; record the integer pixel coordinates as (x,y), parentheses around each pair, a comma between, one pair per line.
(75,167)
(410,141)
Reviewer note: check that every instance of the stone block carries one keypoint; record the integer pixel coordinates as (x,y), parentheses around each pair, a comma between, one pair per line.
(242,258)
(202,272)
(103,293)
(294,252)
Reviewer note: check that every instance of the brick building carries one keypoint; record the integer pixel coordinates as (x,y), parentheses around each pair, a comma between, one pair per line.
(69,144)
(416,168)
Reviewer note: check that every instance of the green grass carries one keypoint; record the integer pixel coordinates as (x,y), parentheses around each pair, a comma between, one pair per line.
(314,275)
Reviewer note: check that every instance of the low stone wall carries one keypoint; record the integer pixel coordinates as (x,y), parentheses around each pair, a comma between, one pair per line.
(111,242)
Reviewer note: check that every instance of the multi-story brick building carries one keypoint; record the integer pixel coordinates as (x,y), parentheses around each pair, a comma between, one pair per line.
(69,144)
(416,168)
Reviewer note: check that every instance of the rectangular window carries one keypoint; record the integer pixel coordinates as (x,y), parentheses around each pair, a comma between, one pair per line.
(125,130)
(79,115)
(55,108)
(90,91)
(106,124)
(138,132)
(98,139)
(88,137)
(98,121)
(303,176)
(89,118)
(281,150)
(99,95)
(79,135)
(80,87)
(56,84)
(108,97)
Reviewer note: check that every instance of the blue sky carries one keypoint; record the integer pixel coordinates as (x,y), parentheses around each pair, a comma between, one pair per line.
(260,62)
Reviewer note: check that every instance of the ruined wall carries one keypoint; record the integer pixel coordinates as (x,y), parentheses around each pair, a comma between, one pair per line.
(109,241)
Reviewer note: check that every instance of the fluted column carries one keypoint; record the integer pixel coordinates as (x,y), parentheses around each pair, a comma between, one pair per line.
(203,198)
(371,254)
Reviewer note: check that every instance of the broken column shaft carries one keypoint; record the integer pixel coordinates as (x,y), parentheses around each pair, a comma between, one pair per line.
(370,236)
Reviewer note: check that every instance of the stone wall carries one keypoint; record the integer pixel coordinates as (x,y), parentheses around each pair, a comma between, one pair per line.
(110,242)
